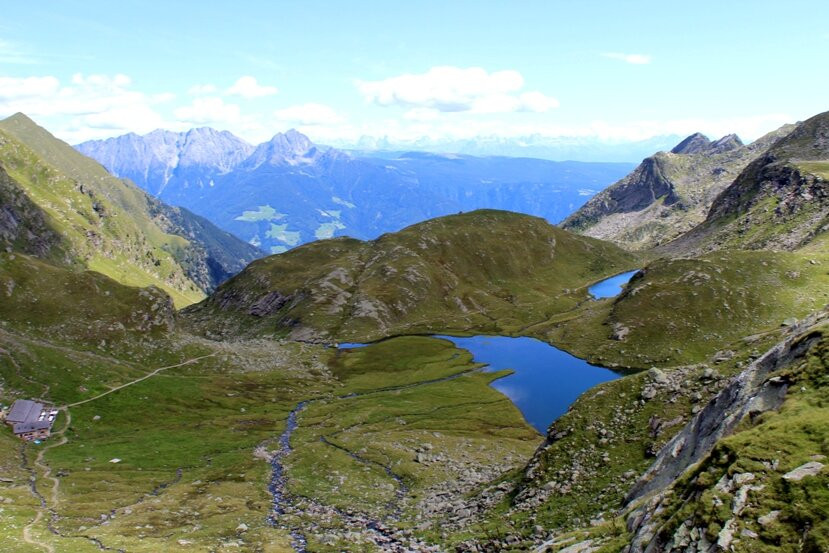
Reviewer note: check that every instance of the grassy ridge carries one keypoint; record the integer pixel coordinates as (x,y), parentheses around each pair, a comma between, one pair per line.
(103,237)
(485,271)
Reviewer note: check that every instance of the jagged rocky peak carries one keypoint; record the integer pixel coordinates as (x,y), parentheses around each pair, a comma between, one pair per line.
(207,146)
(694,144)
(698,143)
(291,147)
(726,144)
(291,143)
(155,156)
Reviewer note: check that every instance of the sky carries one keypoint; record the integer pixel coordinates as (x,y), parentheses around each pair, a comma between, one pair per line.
(616,71)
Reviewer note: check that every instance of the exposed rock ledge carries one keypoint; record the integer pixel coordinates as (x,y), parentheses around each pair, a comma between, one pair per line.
(749,394)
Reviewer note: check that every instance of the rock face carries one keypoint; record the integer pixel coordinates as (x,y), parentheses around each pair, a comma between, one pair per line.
(659,492)
(152,160)
(779,201)
(750,394)
(669,193)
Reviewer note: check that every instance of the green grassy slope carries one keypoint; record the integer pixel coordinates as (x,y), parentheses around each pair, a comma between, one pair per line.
(484,271)
(192,438)
(685,310)
(82,307)
(109,225)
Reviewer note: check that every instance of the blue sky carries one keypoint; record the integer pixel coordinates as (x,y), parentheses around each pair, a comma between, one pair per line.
(340,70)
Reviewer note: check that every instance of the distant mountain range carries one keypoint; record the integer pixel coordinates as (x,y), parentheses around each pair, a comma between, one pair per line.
(289,191)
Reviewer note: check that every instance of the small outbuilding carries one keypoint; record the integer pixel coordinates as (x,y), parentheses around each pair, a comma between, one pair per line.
(31,420)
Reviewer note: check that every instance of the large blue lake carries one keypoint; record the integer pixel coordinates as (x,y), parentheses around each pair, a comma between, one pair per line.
(612,286)
(546,380)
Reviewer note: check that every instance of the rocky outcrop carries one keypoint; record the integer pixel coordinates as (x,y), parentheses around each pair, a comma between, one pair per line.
(779,201)
(750,394)
(669,193)
(698,143)
(23,226)
(747,396)
(725,144)
(268,304)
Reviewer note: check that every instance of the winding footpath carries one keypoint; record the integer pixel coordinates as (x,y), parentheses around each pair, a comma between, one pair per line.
(44,503)
(141,379)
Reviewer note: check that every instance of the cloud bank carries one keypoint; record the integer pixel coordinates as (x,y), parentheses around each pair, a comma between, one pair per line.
(448,89)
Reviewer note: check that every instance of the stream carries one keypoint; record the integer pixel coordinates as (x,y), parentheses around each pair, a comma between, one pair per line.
(544,383)
(278,478)
(282,500)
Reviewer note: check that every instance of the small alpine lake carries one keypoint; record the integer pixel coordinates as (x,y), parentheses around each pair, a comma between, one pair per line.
(610,287)
(545,380)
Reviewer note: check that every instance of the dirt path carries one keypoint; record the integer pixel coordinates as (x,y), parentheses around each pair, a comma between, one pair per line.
(47,473)
(145,377)
(27,535)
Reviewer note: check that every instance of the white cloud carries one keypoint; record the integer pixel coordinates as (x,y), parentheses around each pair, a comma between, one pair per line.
(201,89)
(25,89)
(208,110)
(308,114)
(88,106)
(421,114)
(634,59)
(247,87)
(456,89)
